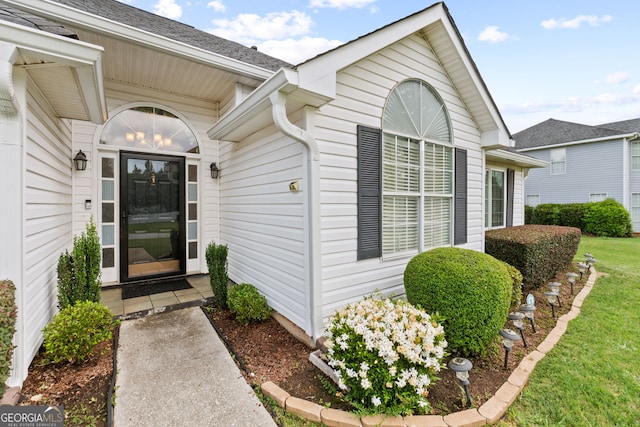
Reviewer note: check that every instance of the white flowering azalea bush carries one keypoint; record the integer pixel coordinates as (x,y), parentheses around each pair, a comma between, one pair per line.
(385,353)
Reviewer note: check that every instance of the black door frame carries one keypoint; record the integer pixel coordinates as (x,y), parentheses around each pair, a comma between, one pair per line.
(124,207)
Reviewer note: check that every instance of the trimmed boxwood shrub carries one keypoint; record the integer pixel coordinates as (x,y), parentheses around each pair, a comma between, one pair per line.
(248,304)
(216,256)
(8,313)
(470,290)
(75,331)
(539,252)
(608,219)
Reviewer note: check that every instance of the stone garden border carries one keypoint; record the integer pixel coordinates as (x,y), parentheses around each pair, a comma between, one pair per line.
(489,413)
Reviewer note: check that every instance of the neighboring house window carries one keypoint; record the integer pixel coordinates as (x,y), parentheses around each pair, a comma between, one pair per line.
(558,161)
(533,200)
(635,206)
(635,155)
(494,215)
(406,174)
(597,197)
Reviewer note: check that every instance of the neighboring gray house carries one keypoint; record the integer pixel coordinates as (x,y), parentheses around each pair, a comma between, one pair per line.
(586,163)
(332,173)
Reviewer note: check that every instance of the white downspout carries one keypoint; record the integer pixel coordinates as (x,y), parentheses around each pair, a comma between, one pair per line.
(278,100)
(8,103)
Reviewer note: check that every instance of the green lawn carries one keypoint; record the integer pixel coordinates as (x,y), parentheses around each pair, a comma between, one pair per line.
(592,377)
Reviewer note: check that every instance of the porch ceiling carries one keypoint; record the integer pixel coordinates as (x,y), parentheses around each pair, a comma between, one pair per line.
(143,66)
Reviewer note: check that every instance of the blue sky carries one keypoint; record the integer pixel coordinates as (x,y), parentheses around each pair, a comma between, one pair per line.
(573,60)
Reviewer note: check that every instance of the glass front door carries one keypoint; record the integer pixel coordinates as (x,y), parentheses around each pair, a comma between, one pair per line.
(152,216)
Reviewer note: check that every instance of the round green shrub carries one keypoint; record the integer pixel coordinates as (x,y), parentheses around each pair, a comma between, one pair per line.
(470,290)
(75,331)
(248,304)
(608,219)
(516,285)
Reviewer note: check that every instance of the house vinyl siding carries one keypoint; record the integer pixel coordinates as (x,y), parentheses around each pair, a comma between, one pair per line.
(362,90)
(590,168)
(47,221)
(263,222)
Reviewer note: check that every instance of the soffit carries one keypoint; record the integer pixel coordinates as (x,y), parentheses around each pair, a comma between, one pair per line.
(138,65)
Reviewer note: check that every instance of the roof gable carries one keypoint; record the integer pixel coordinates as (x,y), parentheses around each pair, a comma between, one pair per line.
(437,27)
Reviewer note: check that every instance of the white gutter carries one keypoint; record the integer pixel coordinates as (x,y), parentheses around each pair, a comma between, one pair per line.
(279,112)
(518,159)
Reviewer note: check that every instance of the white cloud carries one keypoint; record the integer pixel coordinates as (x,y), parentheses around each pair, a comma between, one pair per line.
(636,90)
(168,8)
(619,77)
(491,34)
(217,5)
(617,98)
(593,20)
(249,28)
(341,4)
(296,51)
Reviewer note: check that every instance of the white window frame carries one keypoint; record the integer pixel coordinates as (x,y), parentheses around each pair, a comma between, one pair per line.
(489,198)
(635,155)
(407,198)
(558,161)
(635,207)
(597,197)
(531,197)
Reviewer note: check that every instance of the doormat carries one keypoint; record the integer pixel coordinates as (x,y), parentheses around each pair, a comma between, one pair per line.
(150,288)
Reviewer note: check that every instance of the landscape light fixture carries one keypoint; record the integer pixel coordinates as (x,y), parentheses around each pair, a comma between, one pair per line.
(528,310)
(555,287)
(582,267)
(215,172)
(552,297)
(509,338)
(517,319)
(80,161)
(571,278)
(461,367)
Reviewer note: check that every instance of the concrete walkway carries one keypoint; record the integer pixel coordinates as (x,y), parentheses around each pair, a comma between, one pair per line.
(173,370)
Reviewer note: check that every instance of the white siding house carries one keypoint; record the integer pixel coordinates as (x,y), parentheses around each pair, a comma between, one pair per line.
(587,163)
(327,186)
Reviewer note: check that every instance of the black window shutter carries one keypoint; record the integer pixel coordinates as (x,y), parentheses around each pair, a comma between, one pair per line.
(511,174)
(460,207)
(369,192)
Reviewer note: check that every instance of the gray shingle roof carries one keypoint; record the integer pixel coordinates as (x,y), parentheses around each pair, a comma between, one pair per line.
(552,132)
(141,19)
(16,16)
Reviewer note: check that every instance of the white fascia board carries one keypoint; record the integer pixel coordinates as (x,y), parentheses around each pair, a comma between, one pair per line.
(515,158)
(78,18)
(84,58)
(319,74)
(496,133)
(626,136)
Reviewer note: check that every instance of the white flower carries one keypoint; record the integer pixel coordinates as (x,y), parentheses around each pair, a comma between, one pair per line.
(376,401)
(365,383)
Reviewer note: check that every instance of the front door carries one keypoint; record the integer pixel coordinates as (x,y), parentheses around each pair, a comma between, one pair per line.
(152,230)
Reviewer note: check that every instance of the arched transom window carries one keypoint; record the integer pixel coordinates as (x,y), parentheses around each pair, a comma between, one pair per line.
(417,170)
(149,128)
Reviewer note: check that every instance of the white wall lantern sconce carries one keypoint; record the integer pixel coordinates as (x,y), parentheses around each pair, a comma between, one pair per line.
(80,161)
(215,172)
